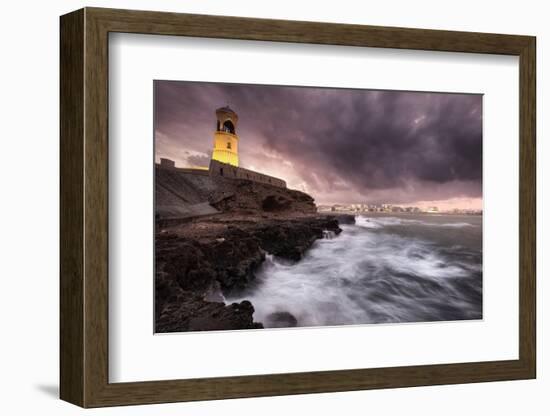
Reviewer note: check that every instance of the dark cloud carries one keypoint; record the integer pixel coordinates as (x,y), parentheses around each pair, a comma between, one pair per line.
(338,144)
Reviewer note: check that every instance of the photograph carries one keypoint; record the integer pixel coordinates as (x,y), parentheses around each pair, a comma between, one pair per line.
(281,206)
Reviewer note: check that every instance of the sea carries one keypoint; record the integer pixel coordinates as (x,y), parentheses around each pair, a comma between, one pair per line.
(386,268)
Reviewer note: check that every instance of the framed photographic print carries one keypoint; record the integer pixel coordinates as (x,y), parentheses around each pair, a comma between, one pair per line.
(256,207)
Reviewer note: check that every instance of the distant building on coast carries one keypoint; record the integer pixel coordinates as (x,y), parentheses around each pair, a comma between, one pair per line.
(225,154)
(395,209)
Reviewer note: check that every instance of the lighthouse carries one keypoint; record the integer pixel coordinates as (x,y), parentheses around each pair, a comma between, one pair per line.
(225,156)
(226,141)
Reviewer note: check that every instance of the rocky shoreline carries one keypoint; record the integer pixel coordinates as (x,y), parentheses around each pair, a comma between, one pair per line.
(202,259)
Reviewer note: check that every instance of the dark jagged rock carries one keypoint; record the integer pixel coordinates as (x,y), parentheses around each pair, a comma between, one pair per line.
(192,313)
(221,254)
(230,254)
(272,203)
(290,239)
(344,218)
(282,320)
(234,258)
(189,267)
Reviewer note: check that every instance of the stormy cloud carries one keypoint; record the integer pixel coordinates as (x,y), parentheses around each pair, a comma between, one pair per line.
(339,145)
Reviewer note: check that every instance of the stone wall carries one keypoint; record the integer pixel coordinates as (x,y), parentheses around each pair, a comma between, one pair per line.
(232,172)
(218,168)
(171,165)
(167,163)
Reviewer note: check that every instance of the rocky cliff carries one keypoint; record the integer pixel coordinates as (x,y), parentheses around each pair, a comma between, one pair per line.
(183,194)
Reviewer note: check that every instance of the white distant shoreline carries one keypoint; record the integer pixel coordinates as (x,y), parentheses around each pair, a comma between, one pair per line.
(432,214)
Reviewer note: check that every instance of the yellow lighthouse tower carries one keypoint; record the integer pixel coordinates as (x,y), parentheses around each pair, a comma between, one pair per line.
(226,141)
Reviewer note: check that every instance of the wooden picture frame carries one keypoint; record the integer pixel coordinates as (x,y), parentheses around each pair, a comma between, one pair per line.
(84,207)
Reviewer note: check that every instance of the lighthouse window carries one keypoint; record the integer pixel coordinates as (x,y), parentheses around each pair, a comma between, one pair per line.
(228,127)
(229,145)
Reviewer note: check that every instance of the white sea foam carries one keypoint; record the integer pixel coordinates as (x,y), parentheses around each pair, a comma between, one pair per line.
(367,275)
(379,222)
